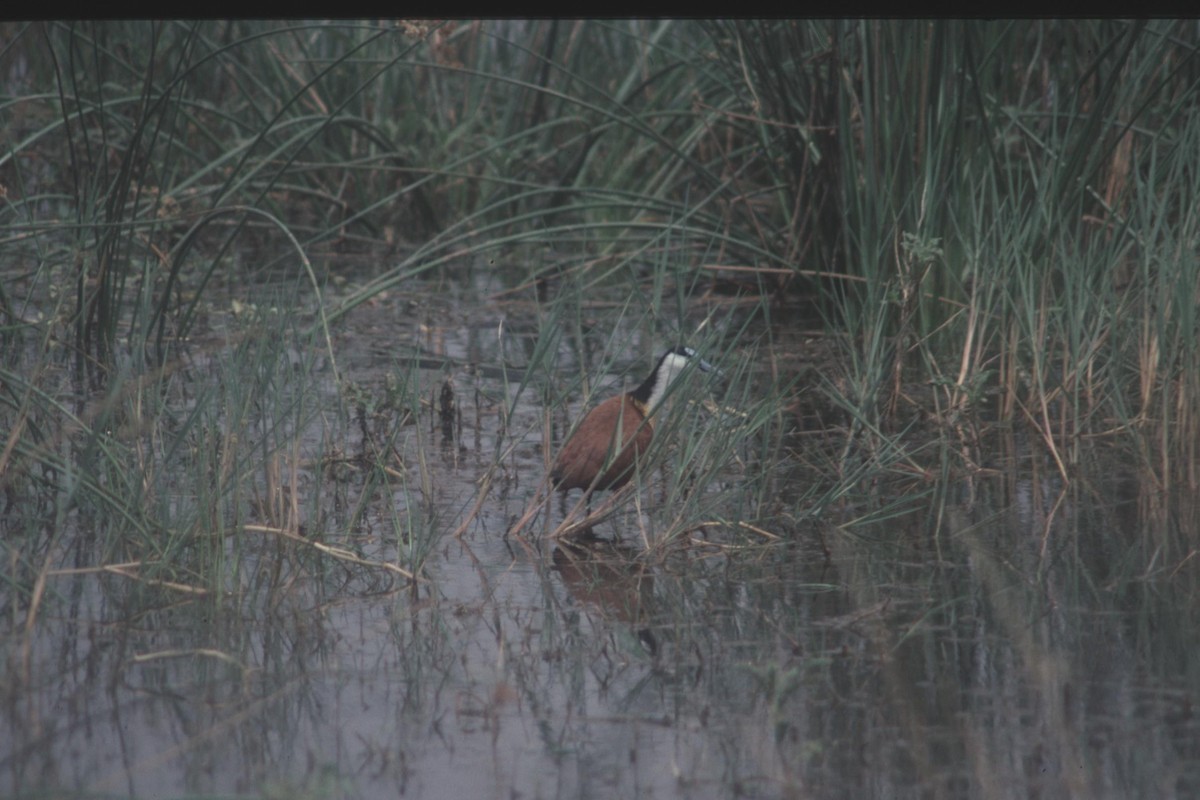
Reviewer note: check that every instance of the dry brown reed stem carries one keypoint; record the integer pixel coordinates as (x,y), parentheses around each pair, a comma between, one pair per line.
(540,498)
(485,487)
(129,570)
(760,531)
(35,602)
(958,393)
(220,655)
(339,553)
(572,523)
(1044,430)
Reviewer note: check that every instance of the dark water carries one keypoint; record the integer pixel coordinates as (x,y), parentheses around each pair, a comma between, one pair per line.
(1007,635)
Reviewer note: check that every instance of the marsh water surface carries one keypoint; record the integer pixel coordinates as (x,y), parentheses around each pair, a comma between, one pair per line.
(1003,633)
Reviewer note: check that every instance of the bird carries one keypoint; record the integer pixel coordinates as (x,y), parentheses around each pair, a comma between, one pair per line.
(603,451)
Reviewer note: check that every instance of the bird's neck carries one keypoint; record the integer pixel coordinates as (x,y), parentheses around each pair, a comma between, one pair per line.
(650,393)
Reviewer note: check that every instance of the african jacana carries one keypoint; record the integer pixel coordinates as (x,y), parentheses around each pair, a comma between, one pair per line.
(603,451)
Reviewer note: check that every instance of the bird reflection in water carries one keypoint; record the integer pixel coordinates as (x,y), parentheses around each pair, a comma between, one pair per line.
(610,578)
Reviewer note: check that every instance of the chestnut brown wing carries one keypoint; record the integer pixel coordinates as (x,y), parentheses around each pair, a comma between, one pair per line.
(594,445)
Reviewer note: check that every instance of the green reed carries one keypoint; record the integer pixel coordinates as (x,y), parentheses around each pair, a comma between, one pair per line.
(1002,190)
(993,221)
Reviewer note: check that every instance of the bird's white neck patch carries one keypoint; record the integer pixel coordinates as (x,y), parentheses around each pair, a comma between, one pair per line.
(671,365)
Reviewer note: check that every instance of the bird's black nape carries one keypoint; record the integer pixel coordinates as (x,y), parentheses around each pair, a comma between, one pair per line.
(656,382)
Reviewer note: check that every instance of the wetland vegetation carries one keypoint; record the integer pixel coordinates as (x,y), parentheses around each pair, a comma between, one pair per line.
(293,316)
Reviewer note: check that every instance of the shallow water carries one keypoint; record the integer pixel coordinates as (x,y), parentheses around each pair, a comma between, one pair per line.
(1023,638)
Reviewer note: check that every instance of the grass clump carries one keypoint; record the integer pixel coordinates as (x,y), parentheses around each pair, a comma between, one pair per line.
(992,222)
(999,210)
